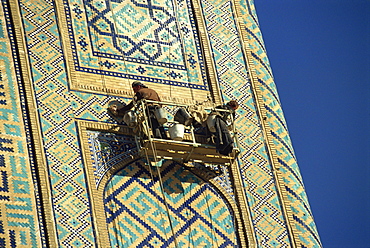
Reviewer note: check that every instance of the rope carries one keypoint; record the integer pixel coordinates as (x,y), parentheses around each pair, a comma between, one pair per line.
(181,38)
(169,59)
(213,228)
(152,177)
(151,172)
(167,208)
(153,147)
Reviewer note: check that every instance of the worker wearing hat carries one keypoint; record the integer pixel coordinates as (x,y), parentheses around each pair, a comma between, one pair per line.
(142,92)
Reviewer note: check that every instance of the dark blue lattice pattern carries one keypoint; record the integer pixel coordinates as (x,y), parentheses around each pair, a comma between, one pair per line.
(137,214)
(107,150)
(152,40)
(158,30)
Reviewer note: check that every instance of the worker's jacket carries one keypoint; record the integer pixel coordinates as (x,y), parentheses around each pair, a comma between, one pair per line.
(224,142)
(143,93)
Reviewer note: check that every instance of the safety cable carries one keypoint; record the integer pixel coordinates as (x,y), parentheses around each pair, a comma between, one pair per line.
(213,228)
(181,38)
(169,57)
(147,155)
(152,177)
(166,205)
(153,146)
(150,140)
(190,235)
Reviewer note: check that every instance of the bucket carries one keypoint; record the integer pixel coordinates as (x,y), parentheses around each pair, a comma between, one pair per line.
(177,131)
(183,117)
(160,115)
(130,118)
(211,122)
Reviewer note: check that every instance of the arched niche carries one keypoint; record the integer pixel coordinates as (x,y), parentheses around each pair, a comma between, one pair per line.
(127,201)
(166,206)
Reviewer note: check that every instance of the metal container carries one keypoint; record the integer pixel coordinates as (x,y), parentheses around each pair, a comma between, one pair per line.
(177,131)
(130,118)
(160,115)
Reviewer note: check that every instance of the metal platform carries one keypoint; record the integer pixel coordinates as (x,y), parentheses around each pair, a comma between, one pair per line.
(192,148)
(185,151)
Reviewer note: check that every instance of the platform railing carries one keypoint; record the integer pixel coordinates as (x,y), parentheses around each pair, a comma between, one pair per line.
(190,138)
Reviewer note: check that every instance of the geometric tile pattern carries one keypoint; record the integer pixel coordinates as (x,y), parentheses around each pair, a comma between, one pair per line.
(107,150)
(19,213)
(224,180)
(278,206)
(268,220)
(140,214)
(152,41)
(296,202)
(68,188)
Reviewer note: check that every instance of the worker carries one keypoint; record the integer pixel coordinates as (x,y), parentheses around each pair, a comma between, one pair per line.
(231,106)
(219,129)
(143,92)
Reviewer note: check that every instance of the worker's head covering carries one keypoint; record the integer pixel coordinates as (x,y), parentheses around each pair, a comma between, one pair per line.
(233,104)
(137,83)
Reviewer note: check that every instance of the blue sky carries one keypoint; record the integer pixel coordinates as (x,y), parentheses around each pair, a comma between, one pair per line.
(320,57)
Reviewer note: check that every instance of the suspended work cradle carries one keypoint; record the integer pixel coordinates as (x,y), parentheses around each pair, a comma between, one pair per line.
(185,142)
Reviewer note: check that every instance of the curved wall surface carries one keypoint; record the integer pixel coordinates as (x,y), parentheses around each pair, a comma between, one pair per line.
(71,175)
(171,208)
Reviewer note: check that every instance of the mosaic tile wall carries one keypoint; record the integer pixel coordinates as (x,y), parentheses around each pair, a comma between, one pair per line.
(198,216)
(269,224)
(292,191)
(155,49)
(20,222)
(72,58)
(155,41)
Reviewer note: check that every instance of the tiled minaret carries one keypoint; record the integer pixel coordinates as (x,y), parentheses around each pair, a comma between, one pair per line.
(71,175)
